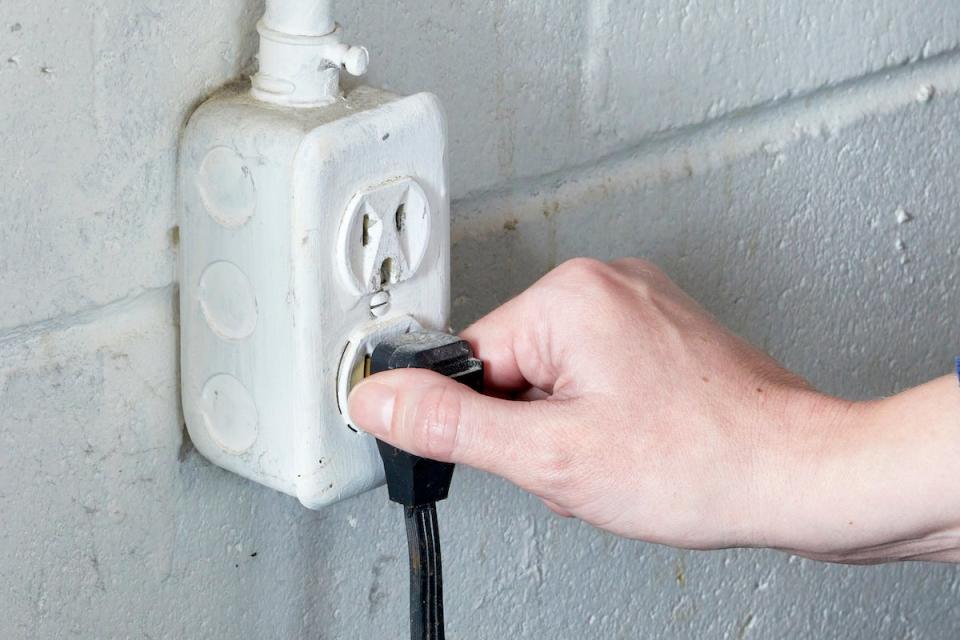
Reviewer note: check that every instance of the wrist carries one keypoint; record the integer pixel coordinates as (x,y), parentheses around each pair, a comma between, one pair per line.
(803,465)
(865,482)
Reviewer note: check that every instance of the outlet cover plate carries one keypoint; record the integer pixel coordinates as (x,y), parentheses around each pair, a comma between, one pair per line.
(275,277)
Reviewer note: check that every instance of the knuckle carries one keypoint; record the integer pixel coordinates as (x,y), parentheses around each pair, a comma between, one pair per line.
(641,270)
(583,269)
(586,280)
(434,422)
(635,265)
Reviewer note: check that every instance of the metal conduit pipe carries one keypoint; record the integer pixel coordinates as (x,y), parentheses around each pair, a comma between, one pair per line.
(300,17)
(301,54)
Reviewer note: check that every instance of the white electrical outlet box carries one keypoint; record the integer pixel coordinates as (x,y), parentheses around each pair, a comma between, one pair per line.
(307,234)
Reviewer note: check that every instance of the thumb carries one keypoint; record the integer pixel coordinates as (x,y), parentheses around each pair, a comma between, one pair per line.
(433,416)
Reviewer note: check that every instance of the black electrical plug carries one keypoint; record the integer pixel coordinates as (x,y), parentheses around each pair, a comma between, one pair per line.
(411,480)
(419,483)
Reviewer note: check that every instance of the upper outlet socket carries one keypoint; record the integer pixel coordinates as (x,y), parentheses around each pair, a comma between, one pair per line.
(383,236)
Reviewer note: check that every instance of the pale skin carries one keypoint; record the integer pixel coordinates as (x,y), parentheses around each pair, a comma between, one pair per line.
(621,402)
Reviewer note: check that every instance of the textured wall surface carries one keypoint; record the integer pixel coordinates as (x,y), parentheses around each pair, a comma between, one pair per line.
(765,155)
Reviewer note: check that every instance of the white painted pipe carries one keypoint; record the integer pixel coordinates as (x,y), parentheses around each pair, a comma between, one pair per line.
(301,54)
(300,17)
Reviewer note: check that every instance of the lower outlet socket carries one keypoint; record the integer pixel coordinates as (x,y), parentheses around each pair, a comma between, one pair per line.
(354,364)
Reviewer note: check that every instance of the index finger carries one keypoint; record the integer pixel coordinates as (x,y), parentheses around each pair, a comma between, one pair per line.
(512,341)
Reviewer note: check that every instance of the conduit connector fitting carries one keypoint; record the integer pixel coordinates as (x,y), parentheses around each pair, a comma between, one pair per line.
(303,70)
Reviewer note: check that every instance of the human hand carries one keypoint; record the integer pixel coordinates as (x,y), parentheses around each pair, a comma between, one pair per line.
(633,409)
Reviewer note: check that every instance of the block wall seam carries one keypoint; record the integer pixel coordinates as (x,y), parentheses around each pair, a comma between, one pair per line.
(767,128)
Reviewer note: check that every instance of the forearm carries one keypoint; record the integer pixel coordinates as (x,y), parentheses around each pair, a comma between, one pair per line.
(872,482)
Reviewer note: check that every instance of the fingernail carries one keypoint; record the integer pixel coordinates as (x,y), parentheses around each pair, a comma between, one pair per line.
(371,407)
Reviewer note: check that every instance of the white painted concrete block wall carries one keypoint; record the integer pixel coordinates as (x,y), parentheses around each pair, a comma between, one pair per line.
(759,152)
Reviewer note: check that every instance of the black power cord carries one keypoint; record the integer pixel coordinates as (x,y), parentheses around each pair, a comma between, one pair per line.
(418,483)
(426,574)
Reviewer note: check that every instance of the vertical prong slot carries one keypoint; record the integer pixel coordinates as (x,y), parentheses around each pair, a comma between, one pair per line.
(386,272)
(367,223)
